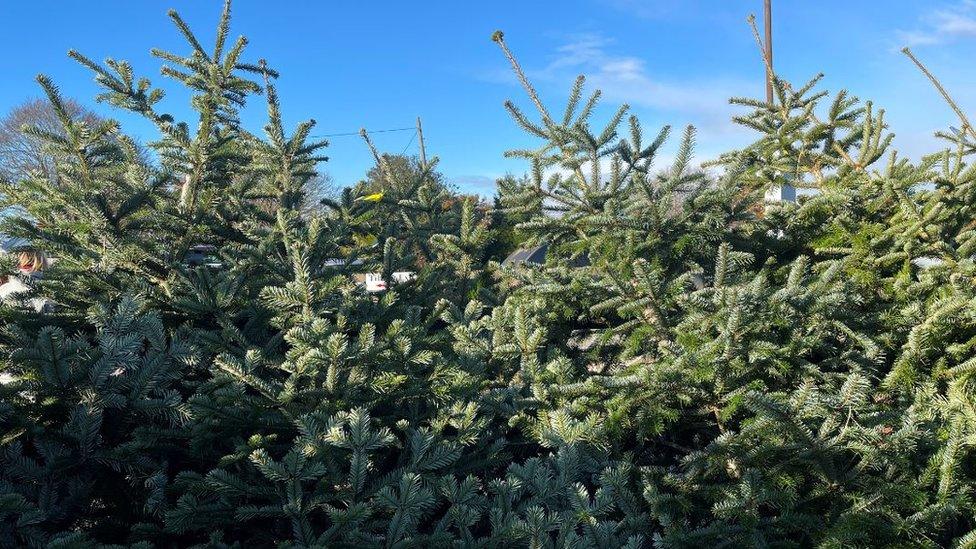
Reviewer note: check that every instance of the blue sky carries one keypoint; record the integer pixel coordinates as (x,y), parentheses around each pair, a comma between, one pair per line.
(381,64)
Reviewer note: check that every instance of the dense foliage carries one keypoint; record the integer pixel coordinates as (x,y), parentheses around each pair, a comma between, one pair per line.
(689,367)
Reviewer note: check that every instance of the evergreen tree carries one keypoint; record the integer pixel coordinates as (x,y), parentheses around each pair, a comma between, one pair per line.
(689,366)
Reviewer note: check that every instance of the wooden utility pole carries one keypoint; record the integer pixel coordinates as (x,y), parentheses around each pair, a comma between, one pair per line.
(423,148)
(768,19)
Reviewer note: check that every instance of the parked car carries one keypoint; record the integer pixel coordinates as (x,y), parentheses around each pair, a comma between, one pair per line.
(371,282)
(374,283)
(202,255)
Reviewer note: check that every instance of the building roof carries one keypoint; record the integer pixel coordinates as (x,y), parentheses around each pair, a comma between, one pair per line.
(535,255)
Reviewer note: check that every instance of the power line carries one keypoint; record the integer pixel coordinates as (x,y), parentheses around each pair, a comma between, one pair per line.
(412,137)
(345,134)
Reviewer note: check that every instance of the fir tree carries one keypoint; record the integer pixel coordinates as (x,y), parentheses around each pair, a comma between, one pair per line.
(690,365)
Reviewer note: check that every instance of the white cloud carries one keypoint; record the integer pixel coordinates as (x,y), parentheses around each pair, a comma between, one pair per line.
(629,79)
(943,25)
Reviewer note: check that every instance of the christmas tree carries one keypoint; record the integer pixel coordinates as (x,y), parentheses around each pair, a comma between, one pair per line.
(681,363)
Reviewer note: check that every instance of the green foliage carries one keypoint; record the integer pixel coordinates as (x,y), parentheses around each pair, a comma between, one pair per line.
(690,366)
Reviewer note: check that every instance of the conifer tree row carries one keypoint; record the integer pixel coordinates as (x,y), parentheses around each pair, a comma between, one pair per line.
(689,366)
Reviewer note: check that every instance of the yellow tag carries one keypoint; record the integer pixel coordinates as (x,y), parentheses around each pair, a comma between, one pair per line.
(376,197)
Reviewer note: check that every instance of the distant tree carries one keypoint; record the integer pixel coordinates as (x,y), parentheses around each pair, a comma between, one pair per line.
(22,153)
(319,188)
(413,202)
(405,171)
